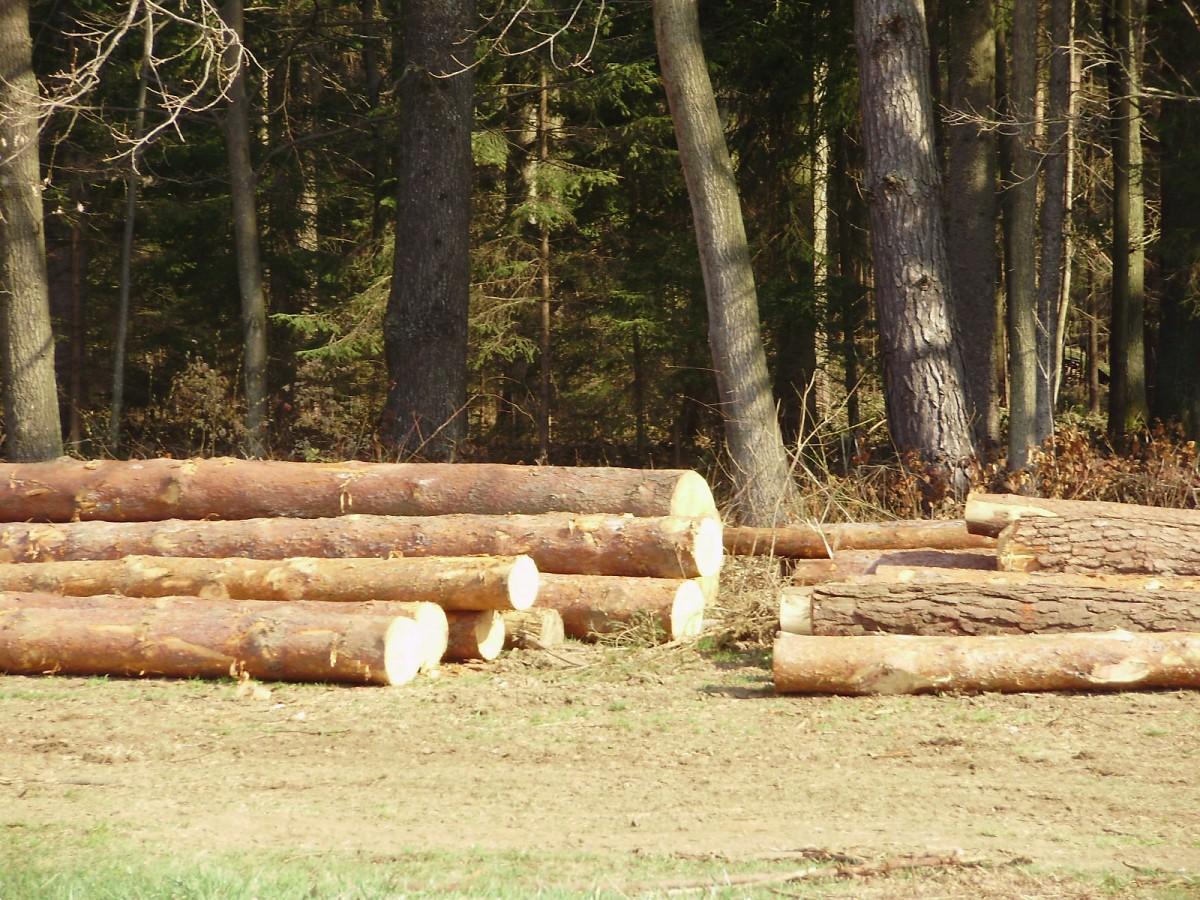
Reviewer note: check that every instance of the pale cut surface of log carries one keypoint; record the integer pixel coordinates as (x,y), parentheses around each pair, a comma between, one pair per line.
(533,629)
(989,514)
(67,490)
(598,604)
(850,563)
(452,582)
(822,541)
(907,664)
(475,635)
(1098,545)
(967,608)
(429,617)
(206,639)
(665,547)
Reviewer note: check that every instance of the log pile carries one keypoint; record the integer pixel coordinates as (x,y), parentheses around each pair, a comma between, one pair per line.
(1023,594)
(350,572)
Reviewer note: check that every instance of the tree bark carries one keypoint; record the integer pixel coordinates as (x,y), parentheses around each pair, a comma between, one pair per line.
(243,183)
(269,641)
(818,541)
(948,607)
(453,583)
(990,514)
(69,490)
(971,206)
(904,664)
(1124,545)
(533,629)
(425,327)
(852,563)
(592,605)
(566,543)
(31,416)
(765,492)
(1021,211)
(475,635)
(923,367)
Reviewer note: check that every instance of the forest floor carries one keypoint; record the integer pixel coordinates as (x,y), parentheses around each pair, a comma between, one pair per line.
(590,771)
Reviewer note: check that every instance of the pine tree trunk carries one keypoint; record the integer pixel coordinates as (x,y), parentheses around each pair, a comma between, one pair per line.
(31,416)
(425,328)
(243,183)
(923,367)
(765,492)
(971,206)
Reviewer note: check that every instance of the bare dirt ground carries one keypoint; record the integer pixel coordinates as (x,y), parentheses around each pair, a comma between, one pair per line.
(612,752)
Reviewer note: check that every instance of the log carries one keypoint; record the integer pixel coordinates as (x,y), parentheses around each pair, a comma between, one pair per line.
(508,582)
(1099,544)
(665,547)
(989,514)
(907,664)
(850,563)
(822,541)
(1134,583)
(592,605)
(533,629)
(68,490)
(429,617)
(474,635)
(948,608)
(213,639)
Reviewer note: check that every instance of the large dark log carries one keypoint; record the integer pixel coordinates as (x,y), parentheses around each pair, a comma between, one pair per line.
(666,547)
(989,514)
(823,541)
(1098,544)
(69,490)
(946,608)
(904,664)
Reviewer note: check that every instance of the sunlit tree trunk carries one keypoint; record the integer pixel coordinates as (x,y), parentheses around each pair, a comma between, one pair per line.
(31,417)
(764,488)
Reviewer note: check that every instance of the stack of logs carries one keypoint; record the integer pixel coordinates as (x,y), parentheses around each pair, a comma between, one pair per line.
(1026,594)
(354,572)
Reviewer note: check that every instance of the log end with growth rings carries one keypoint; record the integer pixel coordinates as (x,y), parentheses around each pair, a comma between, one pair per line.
(710,547)
(523,583)
(404,650)
(692,496)
(687,612)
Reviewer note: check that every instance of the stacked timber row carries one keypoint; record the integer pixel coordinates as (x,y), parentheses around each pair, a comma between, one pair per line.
(352,572)
(1025,594)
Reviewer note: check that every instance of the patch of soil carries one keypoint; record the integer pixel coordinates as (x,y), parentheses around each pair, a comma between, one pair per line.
(654,751)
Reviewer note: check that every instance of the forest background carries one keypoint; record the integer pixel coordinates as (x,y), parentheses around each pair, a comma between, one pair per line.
(375,229)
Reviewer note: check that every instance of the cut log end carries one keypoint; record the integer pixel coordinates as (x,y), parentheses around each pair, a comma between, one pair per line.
(692,496)
(523,583)
(405,649)
(795,610)
(710,547)
(687,613)
(533,629)
(475,635)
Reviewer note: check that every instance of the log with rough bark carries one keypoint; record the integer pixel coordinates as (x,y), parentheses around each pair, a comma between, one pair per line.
(946,608)
(430,617)
(851,563)
(67,490)
(475,635)
(209,639)
(533,629)
(1104,580)
(598,604)
(824,541)
(989,514)
(1097,544)
(665,547)
(452,582)
(907,664)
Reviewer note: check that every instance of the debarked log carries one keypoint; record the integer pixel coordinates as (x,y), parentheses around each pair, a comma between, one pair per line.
(597,604)
(823,541)
(907,664)
(451,582)
(210,639)
(67,490)
(665,547)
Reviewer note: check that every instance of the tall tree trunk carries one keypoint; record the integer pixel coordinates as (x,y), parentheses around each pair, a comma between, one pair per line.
(765,490)
(31,417)
(851,276)
(1093,345)
(1054,280)
(544,308)
(242,182)
(1021,212)
(971,206)
(77,334)
(425,328)
(1127,406)
(923,367)
(132,179)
